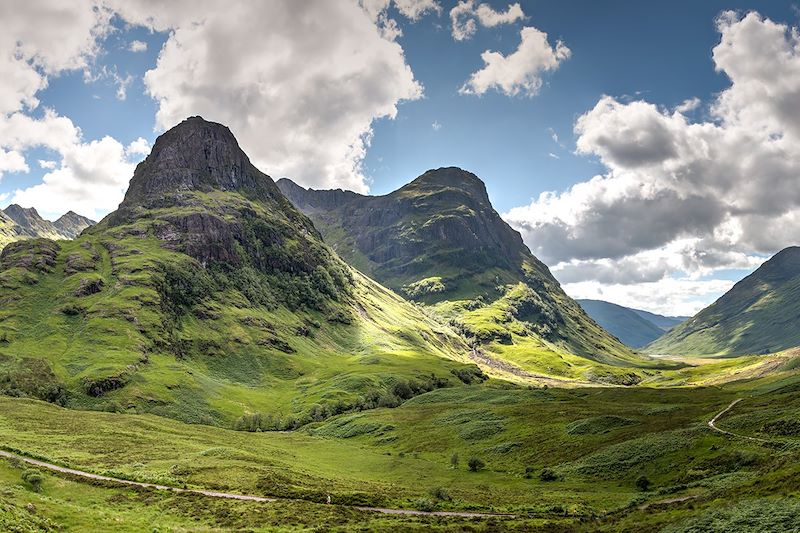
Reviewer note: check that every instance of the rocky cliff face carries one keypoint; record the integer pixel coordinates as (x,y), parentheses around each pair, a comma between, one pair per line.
(195,155)
(439,240)
(200,191)
(442,223)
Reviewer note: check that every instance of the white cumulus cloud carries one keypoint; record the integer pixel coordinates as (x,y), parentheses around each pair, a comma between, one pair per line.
(521,71)
(12,161)
(41,38)
(466,15)
(91,176)
(299,83)
(137,46)
(682,197)
(138,147)
(415,9)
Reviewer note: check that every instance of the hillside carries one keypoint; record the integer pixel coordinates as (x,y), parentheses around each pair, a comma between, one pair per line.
(666,323)
(208,297)
(8,230)
(625,324)
(439,241)
(759,315)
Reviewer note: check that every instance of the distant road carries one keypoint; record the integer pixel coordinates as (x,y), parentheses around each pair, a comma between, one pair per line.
(713,424)
(231,496)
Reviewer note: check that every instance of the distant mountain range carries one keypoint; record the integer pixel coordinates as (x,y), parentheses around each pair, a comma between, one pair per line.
(665,323)
(20,223)
(760,314)
(634,327)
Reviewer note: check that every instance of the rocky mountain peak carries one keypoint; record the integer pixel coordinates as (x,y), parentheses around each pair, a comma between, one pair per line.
(195,155)
(71,224)
(451,178)
(22,216)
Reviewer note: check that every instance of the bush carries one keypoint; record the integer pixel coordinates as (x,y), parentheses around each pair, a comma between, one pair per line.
(469,375)
(642,483)
(440,493)
(73,310)
(475,464)
(548,474)
(425,505)
(34,479)
(454,461)
(788,427)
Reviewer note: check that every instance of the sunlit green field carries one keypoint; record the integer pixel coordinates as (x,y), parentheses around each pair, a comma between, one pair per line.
(556,458)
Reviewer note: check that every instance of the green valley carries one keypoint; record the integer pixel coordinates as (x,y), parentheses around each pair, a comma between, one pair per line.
(388,363)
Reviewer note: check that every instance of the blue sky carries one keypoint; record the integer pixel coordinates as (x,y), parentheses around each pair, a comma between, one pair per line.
(399,111)
(659,50)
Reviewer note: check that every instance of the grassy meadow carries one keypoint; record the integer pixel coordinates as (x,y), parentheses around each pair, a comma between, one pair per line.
(557,458)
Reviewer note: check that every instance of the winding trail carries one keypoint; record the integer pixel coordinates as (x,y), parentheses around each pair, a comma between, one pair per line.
(232,496)
(713,424)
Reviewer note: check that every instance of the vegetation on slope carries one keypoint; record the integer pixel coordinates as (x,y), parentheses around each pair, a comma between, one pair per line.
(208,298)
(758,315)
(439,241)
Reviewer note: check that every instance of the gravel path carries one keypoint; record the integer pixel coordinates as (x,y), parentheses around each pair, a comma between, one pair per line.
(713,424)
(232,496)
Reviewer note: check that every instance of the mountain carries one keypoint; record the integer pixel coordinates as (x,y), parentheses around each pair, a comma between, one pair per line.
(760,314)
(72,224)
(625,324)
(20,223)
(8,230)
(207,297)
(30,224)
(439,241)
(665,323)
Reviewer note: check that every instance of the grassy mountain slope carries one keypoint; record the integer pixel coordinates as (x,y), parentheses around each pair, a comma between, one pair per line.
(760,314)
(8,230)
(625,324)
(209,298)
(439,241)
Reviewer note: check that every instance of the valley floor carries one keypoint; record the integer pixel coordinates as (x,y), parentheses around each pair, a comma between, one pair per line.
(556,459)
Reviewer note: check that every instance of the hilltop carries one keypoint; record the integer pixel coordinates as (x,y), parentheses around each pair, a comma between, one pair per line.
(23,223)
